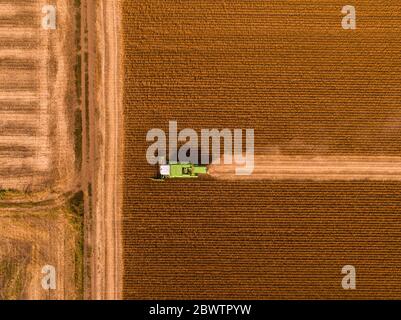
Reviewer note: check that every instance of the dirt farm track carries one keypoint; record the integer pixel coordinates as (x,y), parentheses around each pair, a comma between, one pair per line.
(288,70)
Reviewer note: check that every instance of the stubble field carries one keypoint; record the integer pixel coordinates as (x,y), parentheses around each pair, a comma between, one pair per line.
(36,102)
(40,206)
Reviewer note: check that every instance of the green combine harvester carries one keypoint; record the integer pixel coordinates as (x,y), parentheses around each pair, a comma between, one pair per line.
(180,170)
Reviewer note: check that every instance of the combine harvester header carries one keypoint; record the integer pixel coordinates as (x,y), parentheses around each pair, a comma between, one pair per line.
(180,170)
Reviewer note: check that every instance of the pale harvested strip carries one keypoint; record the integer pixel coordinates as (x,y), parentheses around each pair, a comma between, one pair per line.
(43,117)
(19,33)
(318,168)
(20,2)
(12,117)
(24,141)
(20,18)
(18,75)
(18,96)
(24,85)
(12,165)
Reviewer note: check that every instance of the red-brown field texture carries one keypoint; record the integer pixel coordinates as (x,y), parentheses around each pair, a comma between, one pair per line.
(288,70)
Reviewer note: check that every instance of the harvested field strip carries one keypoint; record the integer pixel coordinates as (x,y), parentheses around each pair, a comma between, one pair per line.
(18,64)
(322,168)
(16,107)
(9,76)
(18,33)
(18,119)
(25,141)
(21,19)
(24,95)
(20,169)
(15,129)
(24,43)
(30,85)
(16,151)
(19,54)
(19,96)
(20,2)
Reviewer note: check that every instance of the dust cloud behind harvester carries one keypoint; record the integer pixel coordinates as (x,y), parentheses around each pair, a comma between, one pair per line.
(318,168)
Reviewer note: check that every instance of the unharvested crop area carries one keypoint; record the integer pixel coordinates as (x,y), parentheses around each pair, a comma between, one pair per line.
(307,87)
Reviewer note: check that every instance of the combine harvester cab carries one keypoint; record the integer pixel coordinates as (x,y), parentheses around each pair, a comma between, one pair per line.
(180,170)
